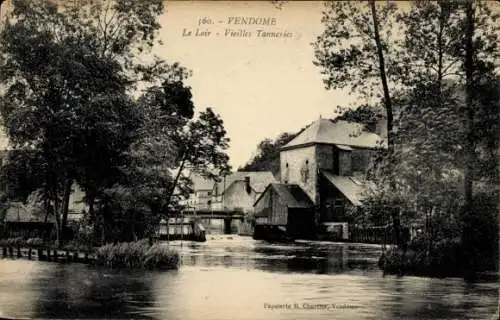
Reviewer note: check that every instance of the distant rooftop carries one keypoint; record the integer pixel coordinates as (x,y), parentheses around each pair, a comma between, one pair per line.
(291,195)
(353,188)
(202,183)
(259,180)
(18,212)
(337,132)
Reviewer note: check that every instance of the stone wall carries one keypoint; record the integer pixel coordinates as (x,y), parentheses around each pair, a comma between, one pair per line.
(299,166)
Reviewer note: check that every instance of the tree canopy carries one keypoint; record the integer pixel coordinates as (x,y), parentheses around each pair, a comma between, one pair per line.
(435,66)
(71,73)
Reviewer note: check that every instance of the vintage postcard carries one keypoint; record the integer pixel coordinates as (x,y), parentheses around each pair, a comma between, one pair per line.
(249,159)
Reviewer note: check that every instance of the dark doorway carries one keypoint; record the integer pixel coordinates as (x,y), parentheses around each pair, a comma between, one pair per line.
(301,223)
(227,225)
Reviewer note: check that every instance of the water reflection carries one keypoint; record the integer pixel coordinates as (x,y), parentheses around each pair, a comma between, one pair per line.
(303,258)
(236,278)
(83,292)
(73,291)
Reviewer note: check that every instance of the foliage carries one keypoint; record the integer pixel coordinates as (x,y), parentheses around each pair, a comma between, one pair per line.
(141,192)
(444,253)
(66,101)
(346,50)
(441,82)
(204,143)
(70,71)
(20,174)
(202,149)
(357,50)
(444,261)
(268,154)
(365,114)
(161,257)
(137,255)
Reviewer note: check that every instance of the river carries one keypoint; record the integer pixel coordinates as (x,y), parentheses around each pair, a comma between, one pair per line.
(232,277)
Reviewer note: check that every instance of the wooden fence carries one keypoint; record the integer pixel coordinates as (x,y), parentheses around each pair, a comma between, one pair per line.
(378,234)
(46,254)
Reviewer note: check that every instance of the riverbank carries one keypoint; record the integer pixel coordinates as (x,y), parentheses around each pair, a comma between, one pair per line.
(445,259)
(220,278)
(137,255)
(134,255)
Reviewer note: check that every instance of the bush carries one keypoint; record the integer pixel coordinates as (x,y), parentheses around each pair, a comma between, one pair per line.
(137,255)
(34,242)
(443,259)
(160,257)
(75,245)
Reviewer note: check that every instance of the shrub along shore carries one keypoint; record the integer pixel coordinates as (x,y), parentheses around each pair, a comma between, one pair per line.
(137,255)
(133,255)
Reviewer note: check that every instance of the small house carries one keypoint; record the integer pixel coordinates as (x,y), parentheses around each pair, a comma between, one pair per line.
(241,189)
(285,206)
(203,192)
(26,222)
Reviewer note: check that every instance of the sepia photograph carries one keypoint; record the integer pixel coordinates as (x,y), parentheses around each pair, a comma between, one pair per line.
(249,160)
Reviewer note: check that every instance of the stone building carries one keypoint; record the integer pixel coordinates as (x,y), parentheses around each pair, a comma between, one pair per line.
(328,162)
(234,192)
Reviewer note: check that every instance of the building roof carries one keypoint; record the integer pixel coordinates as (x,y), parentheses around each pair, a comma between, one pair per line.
(17,212)
(292,195)
(351,187)
(338,132)
(259,180)
(202,183)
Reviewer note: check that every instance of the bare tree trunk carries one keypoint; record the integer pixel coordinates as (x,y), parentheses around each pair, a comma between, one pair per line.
(177,177)
(467,212)
(469,114)
(56,214)
(65,206)
(91,203)
(390,118)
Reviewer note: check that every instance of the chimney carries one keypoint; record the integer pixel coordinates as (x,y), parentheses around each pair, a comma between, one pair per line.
(247,184)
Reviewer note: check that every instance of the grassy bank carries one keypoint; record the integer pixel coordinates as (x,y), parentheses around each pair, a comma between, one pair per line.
(444,258)
(137,255)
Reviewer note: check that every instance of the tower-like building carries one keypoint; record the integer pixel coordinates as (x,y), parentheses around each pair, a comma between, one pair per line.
(325,168)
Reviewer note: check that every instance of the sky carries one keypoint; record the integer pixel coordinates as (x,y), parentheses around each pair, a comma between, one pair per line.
(260,86)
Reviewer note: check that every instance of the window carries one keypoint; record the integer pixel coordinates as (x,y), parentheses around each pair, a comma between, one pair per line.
(304,172)
(287,173)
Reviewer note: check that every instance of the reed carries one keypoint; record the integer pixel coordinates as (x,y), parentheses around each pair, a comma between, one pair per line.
(137,255)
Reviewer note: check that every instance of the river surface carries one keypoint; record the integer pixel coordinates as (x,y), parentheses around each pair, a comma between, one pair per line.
(231,277)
